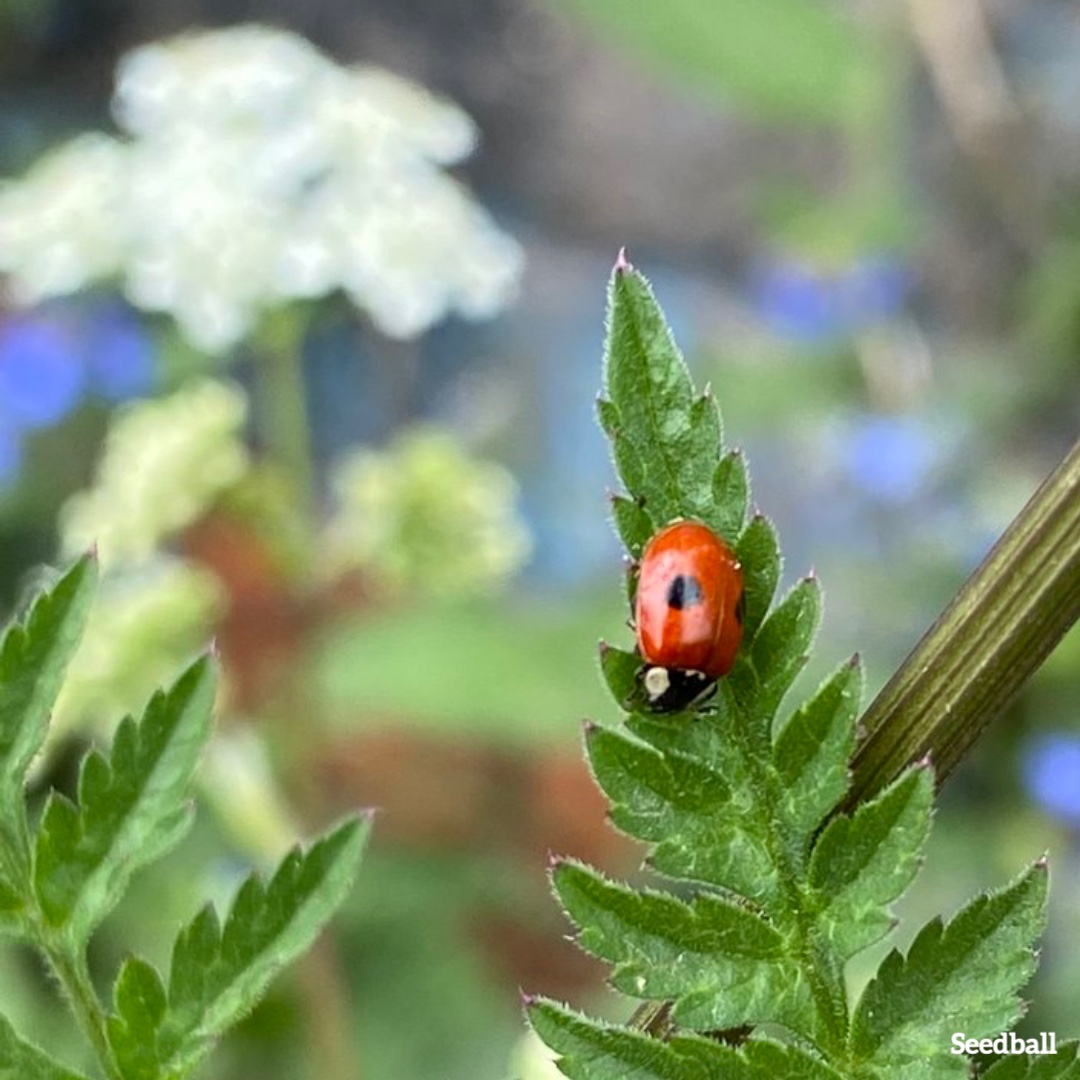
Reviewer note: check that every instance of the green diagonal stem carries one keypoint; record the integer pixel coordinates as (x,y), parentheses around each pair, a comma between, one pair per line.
(998,629)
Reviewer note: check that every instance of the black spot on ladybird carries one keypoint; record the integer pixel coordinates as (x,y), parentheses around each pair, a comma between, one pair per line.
(684,591)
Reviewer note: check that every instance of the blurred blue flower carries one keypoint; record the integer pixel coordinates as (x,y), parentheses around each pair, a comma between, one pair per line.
(41,372)
(1051,772)
(813,306)
(798,303)
(118,351)
(889,457)
(874,289)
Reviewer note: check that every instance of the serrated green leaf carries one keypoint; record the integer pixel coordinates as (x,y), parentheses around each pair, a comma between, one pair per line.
(1064,1065)
(218,974)
(134,1030)
(782,645)
(862,863)
(813,748)
(959,977)
(131,807)
(593,1050)
(620,669)
(33,658)
(938,1068)
(675,437)
(632,523)
(722,964)
(759,552)
(686,809)
(770,1060)
(731,495)
(20,1060)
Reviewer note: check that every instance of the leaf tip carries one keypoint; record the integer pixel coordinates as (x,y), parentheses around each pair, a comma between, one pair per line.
(1042,862)
(590,727)
(526,999)
(554,861)
(622,262)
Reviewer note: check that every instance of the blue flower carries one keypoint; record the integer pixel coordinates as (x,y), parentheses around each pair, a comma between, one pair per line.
(798,304)
(1052,774)
(813,306)
(41,372)
(889,457)
(118,352)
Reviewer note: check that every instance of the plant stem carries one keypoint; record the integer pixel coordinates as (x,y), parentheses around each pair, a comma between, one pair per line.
(998,629)
(283,402)
(71,970)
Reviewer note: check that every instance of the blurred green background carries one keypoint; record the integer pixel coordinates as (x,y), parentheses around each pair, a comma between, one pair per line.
(302,327)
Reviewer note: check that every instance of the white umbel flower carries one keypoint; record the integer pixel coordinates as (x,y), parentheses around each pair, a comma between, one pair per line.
(256,172)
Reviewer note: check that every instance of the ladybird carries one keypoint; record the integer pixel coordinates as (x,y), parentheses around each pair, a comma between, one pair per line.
(689,613)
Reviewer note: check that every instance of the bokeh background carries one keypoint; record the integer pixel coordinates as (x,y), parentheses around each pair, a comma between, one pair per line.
(300,321)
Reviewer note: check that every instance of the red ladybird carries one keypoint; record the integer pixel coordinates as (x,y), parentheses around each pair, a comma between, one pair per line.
(689,613)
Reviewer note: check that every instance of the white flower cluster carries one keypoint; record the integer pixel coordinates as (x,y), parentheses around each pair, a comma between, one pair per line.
(165,462)
(257,171)
(423,515)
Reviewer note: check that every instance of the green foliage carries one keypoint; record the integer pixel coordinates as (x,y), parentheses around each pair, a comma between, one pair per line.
(799,59)
(62,878)
(739,804)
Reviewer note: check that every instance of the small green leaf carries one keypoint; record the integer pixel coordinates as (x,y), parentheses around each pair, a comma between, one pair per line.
(33,658)
(134,1031)
(685,808)
(813,748)
(633,524)
(593,1050)
(862,863)
(959,977)
(782,644)
(21,1060)
(1064,1065)
(731,495)
(131,807)
(219,973)
(780,1061)
(759,552)
(620,669)
(722,964)
(675,437)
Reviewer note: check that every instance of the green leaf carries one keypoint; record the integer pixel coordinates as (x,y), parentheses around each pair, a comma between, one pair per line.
(959,977)
(217,973)
(731,495)
(1064,1065)
(592,1050)
(778,1061)
(758,549)
(684,807)
(134,1032)
(782,645)
(131,807)
(33,658)
(813,748)
(620,669)
(21,1060)
(862,863)
(675,437)
(633,524)
(788,59)
(723,965)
